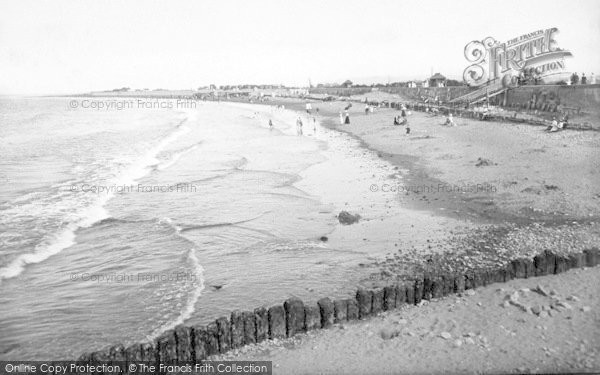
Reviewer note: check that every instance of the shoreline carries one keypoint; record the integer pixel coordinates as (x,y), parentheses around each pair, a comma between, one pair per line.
(418,171)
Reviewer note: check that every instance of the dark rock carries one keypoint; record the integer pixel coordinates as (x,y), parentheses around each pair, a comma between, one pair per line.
(249,327)
(377,305)
(592,257)
(389,298)
(482,162)
(277,322)
(326,309)
(185,343)
(312,317)
(540,264)
(324,238)
(224,334)
(261,319)
(352,313)
(365,302)
(347,218)
(294,316)
(166,347)
(237,329)
(418,291)
(459,283)
(340,307)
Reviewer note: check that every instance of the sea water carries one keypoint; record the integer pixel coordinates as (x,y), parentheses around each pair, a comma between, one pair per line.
(118,224)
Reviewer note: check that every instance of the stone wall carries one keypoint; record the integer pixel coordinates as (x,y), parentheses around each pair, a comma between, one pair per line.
(197,343)
(557,98)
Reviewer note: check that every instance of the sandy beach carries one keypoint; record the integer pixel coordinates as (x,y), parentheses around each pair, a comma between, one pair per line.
(515,189)
(518,191)
(476,332)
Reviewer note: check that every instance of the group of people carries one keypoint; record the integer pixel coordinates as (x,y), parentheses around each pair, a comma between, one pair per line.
(575,79)
(300,125)
(450,120)
(402,120)
(309,108)
(558,125)
(345,118)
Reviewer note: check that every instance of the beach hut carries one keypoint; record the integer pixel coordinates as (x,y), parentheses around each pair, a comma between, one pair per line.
(437,80)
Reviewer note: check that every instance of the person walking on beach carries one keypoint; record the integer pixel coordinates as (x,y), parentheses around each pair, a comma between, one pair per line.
(270,124)
(347,120)
(341,118)
(367,109)
(299,126)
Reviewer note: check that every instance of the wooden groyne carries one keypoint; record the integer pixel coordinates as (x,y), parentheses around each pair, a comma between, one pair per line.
(187,344)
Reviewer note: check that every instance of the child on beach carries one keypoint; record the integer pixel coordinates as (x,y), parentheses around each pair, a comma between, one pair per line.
(450,120)
(347,120)
(270,124)
(341,119)
(299,126)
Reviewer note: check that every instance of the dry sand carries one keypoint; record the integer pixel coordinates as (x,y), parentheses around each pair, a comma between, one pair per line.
(517,189)
(478,332)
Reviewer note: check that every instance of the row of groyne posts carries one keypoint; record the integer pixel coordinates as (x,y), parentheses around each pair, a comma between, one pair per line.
(461,111)
(195,344)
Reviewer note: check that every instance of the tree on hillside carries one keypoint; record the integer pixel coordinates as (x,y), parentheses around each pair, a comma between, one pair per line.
(347,83)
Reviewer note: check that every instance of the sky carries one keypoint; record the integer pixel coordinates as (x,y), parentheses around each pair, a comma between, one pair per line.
(57,47)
